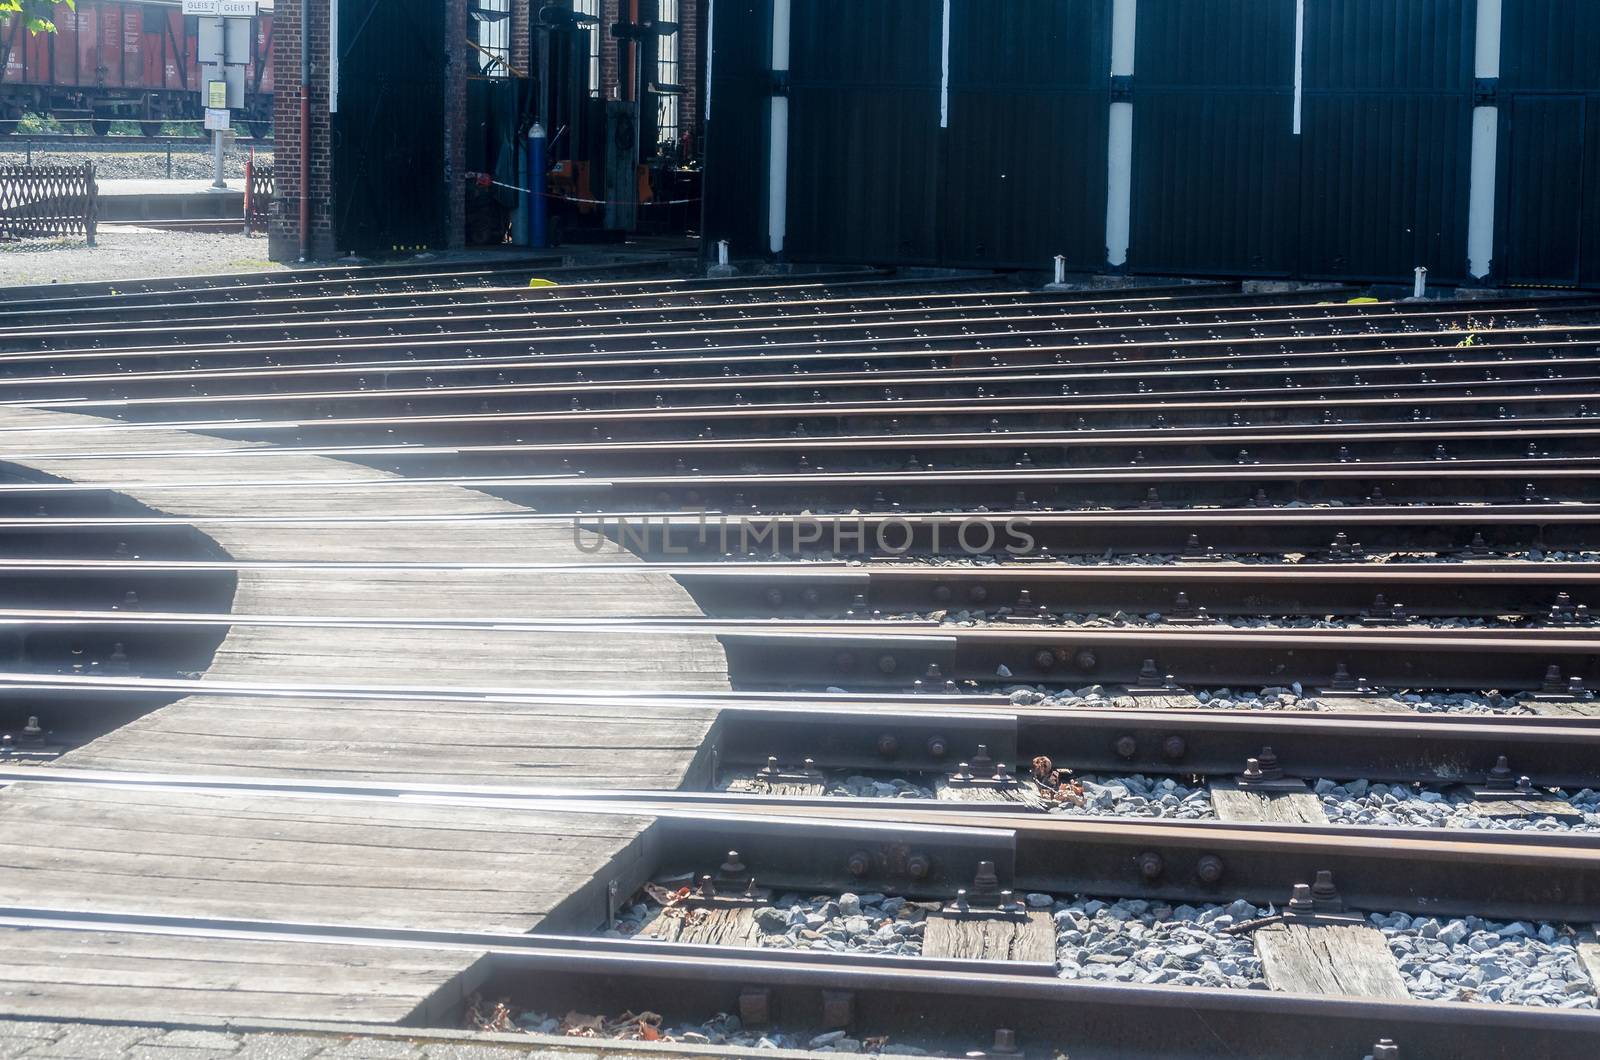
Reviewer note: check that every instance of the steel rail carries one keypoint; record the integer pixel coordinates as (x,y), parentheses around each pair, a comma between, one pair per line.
(870,351)
(910,631)
(1561,591)
(1498,439)
(590,297)
(954,407)
(768,808)
(589,313)
(960,327)
(1398,480)
(584,293)
(872,653)
(1222,365)
(129,292)
(931,733)
(1452,872)
(1417,377)
(958,1011)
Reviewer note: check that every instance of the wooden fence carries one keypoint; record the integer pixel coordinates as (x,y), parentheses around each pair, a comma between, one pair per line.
(43,201)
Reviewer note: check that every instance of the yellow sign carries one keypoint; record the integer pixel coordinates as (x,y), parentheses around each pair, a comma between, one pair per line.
(217,95)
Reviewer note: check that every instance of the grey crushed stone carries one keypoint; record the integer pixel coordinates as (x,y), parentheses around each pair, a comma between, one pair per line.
(1137,796)
(373,1048)
(188,1039)
(189,161)
(1470,959)
(1359,802)
(132,253)
(887,787)
(1140,942)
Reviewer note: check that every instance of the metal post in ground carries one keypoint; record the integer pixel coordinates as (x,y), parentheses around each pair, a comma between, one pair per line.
(538,236)
(249,169)
(217,183)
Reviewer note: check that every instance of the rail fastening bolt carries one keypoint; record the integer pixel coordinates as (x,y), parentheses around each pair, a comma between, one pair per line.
(1209,868)
(1125,746)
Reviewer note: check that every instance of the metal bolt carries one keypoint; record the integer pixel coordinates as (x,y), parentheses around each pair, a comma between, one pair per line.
(32,732)
(918,866)
(888,745)
(1173,748)
(938,747)
(1385,1049)
(1150,865)
(1125,746)
(1209,868)
(733,866)
(858,864)
(1005,1039)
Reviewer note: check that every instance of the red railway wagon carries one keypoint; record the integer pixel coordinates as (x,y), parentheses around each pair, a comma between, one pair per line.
(121,60)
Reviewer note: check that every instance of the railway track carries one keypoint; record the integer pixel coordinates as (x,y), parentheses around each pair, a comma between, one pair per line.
(695,566)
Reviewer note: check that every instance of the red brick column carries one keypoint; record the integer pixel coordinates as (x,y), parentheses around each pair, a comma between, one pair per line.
(283,230)
(520,16)
(610,60)
(689,69)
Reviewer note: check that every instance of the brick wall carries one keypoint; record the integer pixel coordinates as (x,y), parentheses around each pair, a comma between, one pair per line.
(520,16)
(283,231)
(689,70)
(610,60)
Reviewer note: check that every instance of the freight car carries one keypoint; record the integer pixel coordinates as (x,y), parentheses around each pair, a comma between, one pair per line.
(122,60)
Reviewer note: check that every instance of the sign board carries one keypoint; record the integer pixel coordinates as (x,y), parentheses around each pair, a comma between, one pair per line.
(223,8)
(224,41)
(217,119)
(232,75)
(216,96)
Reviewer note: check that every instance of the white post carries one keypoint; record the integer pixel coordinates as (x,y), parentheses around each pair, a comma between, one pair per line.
(778,155)
(944,69)
(722,252)
(1061,268)
(1419,286)
(217,181)
(1119,145)
(1485,145)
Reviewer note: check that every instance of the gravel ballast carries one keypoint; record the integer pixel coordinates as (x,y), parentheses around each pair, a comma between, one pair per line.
(1470,959)
(1377,805)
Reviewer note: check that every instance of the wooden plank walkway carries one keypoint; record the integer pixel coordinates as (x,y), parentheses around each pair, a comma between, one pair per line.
(615,746)
(366,862)
(169,979)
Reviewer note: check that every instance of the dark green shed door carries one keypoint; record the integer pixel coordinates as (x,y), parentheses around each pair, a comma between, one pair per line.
(389,176)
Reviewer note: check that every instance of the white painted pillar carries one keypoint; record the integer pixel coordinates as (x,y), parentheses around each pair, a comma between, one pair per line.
(1119,146)
(1485,146)
(778,155)
(711,50)
(944,70)
(1299,61)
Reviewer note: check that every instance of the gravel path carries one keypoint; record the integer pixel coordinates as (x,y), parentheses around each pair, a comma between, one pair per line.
(132,253)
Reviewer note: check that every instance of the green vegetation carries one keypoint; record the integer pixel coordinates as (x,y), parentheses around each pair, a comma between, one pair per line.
(36,13)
